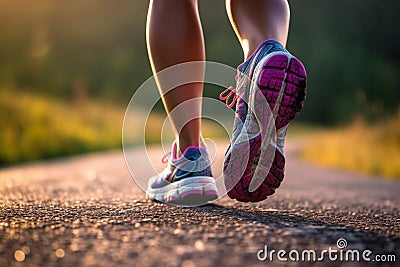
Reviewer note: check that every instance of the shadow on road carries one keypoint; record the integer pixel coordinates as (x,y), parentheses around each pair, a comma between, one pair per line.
(307,227)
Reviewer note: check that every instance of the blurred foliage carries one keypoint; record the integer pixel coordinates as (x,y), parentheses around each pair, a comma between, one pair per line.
(50,46)
(350,49)
(96,48)
(68,70)
(371,148)
(35,127)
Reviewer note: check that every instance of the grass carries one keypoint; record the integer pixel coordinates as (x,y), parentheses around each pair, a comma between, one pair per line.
(35,127)
(361,147)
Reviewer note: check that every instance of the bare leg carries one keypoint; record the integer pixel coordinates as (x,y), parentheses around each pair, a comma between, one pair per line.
(174,35)
(257,20)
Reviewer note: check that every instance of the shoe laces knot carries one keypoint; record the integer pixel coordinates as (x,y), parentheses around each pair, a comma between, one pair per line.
(227,94)
(165,158)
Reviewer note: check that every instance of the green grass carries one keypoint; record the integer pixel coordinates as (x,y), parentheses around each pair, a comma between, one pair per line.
(35,127)
(361,147)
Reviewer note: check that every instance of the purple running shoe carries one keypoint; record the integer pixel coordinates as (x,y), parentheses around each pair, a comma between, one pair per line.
(270,92)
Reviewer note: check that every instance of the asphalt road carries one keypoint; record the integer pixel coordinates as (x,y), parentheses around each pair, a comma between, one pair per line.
(87,211)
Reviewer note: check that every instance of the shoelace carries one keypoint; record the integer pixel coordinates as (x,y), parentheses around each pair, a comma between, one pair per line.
(165,157)
(227,94)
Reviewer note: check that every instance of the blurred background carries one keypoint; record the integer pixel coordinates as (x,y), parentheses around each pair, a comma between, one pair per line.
(68,70)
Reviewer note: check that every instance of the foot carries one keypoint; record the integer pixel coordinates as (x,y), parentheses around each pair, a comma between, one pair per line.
(270,82)
(187,181)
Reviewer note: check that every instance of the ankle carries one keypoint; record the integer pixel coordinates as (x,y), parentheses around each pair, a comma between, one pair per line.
(183,144)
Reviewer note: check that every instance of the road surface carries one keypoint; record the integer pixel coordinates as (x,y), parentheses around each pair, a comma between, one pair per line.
(87,211)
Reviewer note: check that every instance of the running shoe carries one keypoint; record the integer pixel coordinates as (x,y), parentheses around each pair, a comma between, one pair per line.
(270,92)
(186,181)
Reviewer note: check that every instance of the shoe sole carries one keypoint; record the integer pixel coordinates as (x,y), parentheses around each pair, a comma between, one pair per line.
(189,192)
(281,79)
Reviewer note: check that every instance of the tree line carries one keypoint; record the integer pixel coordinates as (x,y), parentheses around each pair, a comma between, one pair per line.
(97,49)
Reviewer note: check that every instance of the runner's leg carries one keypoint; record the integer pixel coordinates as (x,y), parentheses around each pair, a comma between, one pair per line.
(257,20)
(175,35)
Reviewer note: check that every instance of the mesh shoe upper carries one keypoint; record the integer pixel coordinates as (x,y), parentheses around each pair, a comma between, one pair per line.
(194,162)
(245,72)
